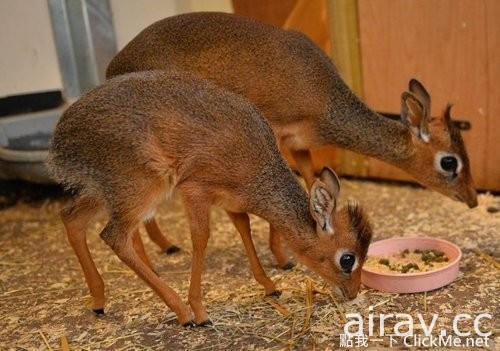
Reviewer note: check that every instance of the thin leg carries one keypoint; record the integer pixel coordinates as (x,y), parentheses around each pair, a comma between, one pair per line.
(76,218)
(198,212)
(158,238)
(139,248)
(305,166)
(119,235)
(242,224)
(278,250)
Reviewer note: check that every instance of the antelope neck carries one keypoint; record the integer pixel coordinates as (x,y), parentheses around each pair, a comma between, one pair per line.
(350,124)
(285,205)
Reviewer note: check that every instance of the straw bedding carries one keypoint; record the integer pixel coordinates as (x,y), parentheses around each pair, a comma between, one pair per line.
(45,302)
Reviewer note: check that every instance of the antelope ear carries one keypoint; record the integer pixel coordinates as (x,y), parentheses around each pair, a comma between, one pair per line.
(421,93)
(415,116)
(323,199)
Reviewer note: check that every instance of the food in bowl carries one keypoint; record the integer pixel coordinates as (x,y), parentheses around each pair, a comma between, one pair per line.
(407,261)
(411,282)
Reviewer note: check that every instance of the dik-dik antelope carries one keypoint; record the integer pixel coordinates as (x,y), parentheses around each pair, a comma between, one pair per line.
(299,91)
(125,144)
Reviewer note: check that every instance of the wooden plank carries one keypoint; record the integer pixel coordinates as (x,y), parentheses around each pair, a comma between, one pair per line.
(311,18)
(343,18)
(344,35)
(273,12)
(444,45)
(491,178)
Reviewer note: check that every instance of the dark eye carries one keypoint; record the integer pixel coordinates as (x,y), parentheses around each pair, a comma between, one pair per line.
(449,164)
(347,261)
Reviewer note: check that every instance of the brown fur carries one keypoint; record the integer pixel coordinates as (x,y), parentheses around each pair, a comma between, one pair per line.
(127,143)
(298,89)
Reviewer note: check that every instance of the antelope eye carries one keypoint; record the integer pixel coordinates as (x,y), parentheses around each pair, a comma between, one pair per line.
(347,261)
(449,164)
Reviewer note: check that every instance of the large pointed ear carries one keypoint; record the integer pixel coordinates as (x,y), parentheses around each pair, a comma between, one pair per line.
(415,115)
(323,200)
(422,95)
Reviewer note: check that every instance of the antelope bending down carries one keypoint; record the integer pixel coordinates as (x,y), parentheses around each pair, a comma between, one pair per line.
(298,89)
(127,143)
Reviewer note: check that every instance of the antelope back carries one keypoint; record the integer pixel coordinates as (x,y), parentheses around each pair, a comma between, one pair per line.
(163,128)
(285,74)
(130,140)
(299,91)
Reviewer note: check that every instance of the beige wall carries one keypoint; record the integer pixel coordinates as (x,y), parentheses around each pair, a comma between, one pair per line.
(28,59)
(131,16)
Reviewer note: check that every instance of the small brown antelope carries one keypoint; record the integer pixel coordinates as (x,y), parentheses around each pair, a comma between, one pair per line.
(299,91)
(127,143)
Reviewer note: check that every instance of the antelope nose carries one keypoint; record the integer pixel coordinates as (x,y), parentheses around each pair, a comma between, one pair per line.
(346,293)
(472,198)
(351,293)
(472,202)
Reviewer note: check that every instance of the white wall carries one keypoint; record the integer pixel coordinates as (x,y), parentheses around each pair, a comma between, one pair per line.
(28,59)
(132,16)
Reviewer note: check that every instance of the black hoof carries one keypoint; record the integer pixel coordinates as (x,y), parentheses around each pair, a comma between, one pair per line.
(288,266)
(207,323)
(276,294)
(189,324)
(172,249)
(99,311)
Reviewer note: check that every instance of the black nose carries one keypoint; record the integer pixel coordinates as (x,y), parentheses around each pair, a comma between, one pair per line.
(449,164)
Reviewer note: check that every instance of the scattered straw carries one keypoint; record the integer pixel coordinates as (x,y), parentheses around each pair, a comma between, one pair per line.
(14,264)
(307,316)
(425,301)
(45,341)
(487,257)
(340,308)
(277,306)
(309,304)
(64,343)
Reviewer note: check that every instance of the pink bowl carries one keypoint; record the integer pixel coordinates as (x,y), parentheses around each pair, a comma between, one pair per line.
(412,282)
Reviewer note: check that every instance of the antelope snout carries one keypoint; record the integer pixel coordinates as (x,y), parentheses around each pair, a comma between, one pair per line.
(471,199)
(346,292)
(472,202)
(467,196)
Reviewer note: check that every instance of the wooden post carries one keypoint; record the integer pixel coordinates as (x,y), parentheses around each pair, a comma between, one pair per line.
(344,35)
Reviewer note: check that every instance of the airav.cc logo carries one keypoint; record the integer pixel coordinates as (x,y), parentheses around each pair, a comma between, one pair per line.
(357,334)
